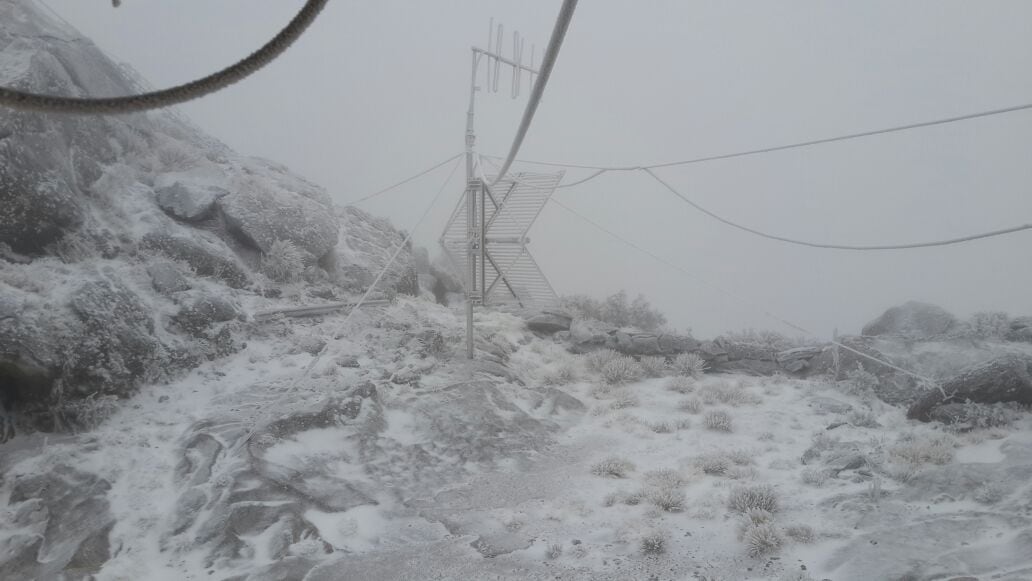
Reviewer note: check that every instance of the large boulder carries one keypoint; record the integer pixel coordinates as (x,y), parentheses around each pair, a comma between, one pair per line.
(913,320)
(549,322)
(1020,330)
(1000,380)
(189,202)
(262,215)
(206,258)
(797,360)
(205,311)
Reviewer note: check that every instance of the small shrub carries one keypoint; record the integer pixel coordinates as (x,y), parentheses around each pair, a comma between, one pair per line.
(690,365)
(668,499)
(765,436)
(860,382)
(621,370)
(718,421)
(745,498)
(596,360)
(683,424)
(714,464)
(624,399)
(753,518)
(611,499)
(935,450)
(800,533)
(741,473)
(814,477)
(665,478)
(740,457)
(863,419)
(564,374)
(692,405)
(763,540)
(653,543)
(555,550)
(635,498)
(612,467)
(681,384)
(283,262)
(653,366)
(661,427)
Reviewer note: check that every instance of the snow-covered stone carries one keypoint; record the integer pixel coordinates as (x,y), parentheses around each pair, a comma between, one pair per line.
(914,320)
(205,257)
(166,278)
(189,202)
(549,322)
(1005,379)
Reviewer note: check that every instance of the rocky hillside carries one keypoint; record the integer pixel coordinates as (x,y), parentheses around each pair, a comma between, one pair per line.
(132,248)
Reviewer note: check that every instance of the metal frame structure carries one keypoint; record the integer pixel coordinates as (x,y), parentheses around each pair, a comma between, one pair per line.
(486,235)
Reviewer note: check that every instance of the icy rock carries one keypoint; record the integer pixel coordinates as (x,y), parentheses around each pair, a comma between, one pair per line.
(260,216)
(798,359)
(712,352)
(205,311)
(118,345)
(753,367)
(189,202)
(830,405)
(737,350)
(311,344)
(78,519)
(913,319)
(549,322)
(1004,379)
(206,258)
(1020,330)
(166,278)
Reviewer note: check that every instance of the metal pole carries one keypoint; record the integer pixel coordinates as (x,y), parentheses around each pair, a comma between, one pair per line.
(470,198)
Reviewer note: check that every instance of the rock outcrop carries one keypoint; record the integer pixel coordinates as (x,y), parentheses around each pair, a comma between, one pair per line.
(1005,379)
(912,320)
(549,322)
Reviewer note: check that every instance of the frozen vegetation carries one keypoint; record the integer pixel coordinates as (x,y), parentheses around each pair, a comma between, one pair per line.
(153,428)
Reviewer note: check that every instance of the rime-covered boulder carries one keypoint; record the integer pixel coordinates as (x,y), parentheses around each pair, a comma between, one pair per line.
(1004,379)
(205,311)
(207,258)
(1020,330)
(189,202)
(549,322)
(61,523)
(913,320)
(281,207)
(166,278)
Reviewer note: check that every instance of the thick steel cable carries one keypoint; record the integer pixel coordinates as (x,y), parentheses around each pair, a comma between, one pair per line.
(746,302)
(562,23)
(403,182)
(325,349)
(762,234)
(795,145)
(173,95)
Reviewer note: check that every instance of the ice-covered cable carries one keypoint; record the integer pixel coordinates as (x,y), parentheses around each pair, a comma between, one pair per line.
(173,95)
(403,182)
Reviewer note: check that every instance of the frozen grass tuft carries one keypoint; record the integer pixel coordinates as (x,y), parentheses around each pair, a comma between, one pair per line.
(801,533)
(665,478)
(555,550)
(863,419)
(596,360)
(741,457)
(745,498)
(564,374)
(653,543)
(683,424)
(742,473)
(814,477)
(928,450)
(653,366)
(763,540)
(718,421)
(714,464)
(692,405)
(753,518)
(621,370)
(690,365)
(681,384)
(668,499)
(612,467)
(661,427)
(623,399)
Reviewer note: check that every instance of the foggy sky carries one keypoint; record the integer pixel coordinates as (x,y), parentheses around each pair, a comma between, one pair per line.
(378,89)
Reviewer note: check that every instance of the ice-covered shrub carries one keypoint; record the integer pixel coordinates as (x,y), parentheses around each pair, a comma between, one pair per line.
(616,310)
(681,384)
(814,477)
(863,419)
(612,467)
(653,543)
(667,498)
(742,473)
(554,551)
(86,413)
(800,533)
(763,540)
(621,370)
(753,518)
(859,382)
(728,394)
(665,478)
(745,498)
(692,405)
(653,366)
(718,421)
(740,457)
(661,427)
(596,360)
(283,262)
(916,451)
(714,464)
(623,399)
(990,325)
(563,374)
(683,424)
(690,365)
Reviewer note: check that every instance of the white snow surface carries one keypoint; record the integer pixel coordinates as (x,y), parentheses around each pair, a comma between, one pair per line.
(534,509)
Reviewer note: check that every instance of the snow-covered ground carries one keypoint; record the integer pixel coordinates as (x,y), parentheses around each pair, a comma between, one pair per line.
(428,467)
